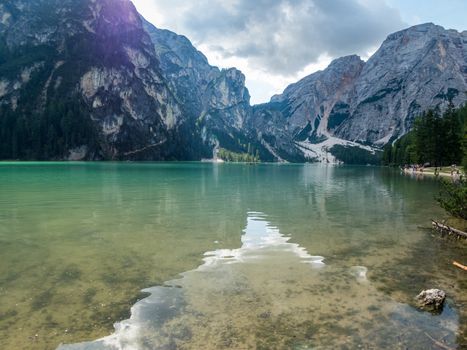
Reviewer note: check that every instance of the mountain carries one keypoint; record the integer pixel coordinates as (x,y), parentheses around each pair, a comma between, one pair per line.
(415,69)
(301,112)
(216,99)
(92,80)
(356,104)
(80,80)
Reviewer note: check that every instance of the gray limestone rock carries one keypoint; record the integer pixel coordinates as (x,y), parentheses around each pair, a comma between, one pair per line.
(432,299)
(416,69)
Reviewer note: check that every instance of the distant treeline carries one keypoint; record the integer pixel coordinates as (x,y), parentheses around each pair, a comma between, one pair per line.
(355,155)
(437,139)
(43,136)
(230,156)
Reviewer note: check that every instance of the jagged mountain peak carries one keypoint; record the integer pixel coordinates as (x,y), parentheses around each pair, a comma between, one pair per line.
(339,66)
(418,30)
(421,67)
(181,49)
(345,60)
(217,100)
(373,102)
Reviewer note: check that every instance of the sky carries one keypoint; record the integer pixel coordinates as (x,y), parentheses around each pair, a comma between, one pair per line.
(277,42)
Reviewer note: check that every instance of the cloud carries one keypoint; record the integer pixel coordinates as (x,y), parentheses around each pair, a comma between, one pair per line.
(276,42)
(280,37)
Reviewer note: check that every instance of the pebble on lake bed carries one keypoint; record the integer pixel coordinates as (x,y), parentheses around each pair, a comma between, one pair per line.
(359,272)
(432,298)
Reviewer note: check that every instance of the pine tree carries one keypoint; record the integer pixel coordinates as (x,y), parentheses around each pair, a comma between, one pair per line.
(451,137)
(464,146)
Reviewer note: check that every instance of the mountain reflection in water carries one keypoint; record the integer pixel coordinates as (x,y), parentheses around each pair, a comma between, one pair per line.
(271,293)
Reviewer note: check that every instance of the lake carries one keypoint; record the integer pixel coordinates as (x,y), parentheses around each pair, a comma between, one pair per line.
(222,256)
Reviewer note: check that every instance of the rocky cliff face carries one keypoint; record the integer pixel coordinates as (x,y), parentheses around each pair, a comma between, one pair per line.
(86,71)
(311,100)
(415,69)
(187,70)
(302,112)
(353,102)
(216,99)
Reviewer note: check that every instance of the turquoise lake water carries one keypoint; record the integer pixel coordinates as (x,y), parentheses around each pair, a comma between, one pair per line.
(222,256)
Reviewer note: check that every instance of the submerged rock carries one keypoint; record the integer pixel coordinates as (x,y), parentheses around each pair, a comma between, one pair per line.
(432,298)
(359,272)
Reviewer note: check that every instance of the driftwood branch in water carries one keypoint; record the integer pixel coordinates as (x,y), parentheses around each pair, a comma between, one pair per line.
(443,229)
(438,343)
(459,265)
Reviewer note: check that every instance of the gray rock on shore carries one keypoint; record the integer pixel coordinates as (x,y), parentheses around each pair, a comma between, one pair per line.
(432,298)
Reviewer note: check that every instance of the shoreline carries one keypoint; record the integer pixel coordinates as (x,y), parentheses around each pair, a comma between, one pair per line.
(444,172)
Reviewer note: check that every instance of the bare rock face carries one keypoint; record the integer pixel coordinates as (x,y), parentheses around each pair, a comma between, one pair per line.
(419,68)
(217,101)
(311,100)
(432,299)
(87,72)
(186,69)
(373,102)
(302,112)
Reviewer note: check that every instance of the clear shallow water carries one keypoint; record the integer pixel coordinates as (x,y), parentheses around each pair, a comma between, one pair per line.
(270,256)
